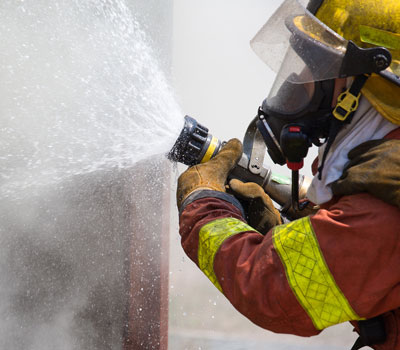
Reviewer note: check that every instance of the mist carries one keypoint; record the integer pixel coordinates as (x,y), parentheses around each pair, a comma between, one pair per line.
(84,104)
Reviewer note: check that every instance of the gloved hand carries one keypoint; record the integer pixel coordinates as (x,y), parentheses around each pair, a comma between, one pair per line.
(262,215)
(211,175)
(374,167)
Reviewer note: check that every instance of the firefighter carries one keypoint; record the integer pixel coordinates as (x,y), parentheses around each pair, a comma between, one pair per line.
(340,263)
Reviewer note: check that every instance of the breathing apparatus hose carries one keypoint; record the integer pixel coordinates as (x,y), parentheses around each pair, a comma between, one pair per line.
(196,145)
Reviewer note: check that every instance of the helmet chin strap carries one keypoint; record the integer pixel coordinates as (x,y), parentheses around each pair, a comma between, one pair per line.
(346,107)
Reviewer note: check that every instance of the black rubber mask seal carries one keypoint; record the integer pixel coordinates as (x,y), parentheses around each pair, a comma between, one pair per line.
(314,117)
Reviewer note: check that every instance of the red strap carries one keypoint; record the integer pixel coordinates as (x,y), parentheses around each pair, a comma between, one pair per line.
(395,134)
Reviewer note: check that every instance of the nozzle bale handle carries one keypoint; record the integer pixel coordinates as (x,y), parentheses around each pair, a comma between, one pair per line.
(278,187)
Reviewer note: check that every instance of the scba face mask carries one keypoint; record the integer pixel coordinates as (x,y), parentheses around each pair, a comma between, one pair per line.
(307,57)
(306,105)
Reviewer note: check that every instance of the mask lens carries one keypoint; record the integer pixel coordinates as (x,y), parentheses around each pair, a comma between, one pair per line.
(289,98)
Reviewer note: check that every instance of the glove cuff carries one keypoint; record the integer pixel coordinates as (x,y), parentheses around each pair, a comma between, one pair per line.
(194,196)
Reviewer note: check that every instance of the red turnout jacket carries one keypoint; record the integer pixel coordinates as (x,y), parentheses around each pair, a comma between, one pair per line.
(341,264)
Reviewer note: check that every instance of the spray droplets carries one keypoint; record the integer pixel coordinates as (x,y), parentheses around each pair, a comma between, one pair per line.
(81,92)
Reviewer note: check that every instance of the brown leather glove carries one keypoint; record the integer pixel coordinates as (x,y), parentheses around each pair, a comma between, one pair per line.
(374,167)
(211,175)
(262,215)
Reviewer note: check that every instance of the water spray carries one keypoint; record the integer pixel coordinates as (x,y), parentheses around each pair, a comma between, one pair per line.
(196,145)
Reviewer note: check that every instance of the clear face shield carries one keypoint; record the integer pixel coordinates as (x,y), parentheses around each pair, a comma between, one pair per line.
(302,50)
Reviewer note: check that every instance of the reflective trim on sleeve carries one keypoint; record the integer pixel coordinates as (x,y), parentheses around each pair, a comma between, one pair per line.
(211,237)
(309,276)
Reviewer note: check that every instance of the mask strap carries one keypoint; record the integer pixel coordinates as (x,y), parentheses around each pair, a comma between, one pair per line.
(346,107)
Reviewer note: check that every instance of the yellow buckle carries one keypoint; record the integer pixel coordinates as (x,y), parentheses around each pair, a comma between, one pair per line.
(347,104)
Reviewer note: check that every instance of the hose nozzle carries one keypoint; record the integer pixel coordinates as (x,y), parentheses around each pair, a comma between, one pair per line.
(194,145)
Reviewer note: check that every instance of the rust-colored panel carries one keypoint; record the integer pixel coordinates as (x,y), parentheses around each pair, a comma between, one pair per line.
(147,326)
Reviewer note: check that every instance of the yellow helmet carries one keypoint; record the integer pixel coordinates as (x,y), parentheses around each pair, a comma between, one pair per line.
(369,23)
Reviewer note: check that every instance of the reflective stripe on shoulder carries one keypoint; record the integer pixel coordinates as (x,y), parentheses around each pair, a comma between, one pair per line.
(211,237)
(309,276)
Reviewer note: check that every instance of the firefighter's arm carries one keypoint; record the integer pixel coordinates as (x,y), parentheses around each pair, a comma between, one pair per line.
(237,259)
(242,263)
(304,276)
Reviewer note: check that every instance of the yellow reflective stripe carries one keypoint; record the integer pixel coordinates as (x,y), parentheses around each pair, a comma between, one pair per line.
(211,237)
(309,276)
(379,37)
(210,150)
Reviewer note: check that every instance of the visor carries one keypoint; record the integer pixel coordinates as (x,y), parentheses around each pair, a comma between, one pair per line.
(301,49)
